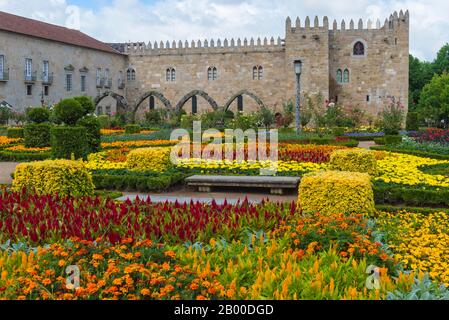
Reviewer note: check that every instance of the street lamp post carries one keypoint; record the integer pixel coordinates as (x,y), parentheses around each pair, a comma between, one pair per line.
(298,67)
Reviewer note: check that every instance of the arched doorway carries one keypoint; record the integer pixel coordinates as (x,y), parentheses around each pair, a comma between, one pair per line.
(193,95)
(239,96)
(152,95)
(122,103)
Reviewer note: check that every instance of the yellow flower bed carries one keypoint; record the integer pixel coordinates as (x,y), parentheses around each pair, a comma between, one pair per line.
(5,141)
(22,148)
(420,241)
(329,192)
(137,144)
(404,169)
(155,159)
(96,161)
(63,177)
(354,160)
(111,131)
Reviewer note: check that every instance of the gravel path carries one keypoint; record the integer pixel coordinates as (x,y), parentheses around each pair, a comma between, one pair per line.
(6,168)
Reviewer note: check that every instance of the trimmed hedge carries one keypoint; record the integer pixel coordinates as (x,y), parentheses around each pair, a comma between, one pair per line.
(388,139)
(93,133)
(354,160)
(16,156)
(412,152)
(329,192)
(14,133)
(409,196)
(63,177)
(132,129)
(66,141)
(155,158)
(136,182)
(38,115)
(37,135)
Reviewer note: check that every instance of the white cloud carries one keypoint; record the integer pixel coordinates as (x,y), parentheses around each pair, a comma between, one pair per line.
(136,20)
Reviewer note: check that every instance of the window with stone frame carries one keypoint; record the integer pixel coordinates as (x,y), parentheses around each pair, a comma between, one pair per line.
(257,73)
(339,76)
(170,75)
(346,76)
(359,49)
(212,73)
(131,74)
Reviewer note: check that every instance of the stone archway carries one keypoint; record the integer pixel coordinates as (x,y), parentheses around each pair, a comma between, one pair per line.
(122,103)
(155,94)
(194,93)
(244,93)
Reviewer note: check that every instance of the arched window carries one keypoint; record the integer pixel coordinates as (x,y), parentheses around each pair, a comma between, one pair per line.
(257,73)
(346,76)
(339,76)
(131,74)
(212,73)
(359,49)
(170,74)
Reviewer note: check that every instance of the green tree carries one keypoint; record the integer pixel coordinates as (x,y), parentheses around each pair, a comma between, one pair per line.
(421,72)
(441,63)
(434,100)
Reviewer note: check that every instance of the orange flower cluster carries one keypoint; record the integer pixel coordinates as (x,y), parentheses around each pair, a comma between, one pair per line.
(5,141)
(22,148)
(130,270)
(137,144)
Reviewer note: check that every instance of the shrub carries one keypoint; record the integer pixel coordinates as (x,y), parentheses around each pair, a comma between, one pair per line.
(87,103)
(38,115)
(412,121)
(93,134)
(354,160)
(380,141)
(37,135)
(16,156)
(132,129)
(391,119)
(155,159)
(67,141)
(63,177)
(105,121)
(14,133)
(329,192)
(68,111)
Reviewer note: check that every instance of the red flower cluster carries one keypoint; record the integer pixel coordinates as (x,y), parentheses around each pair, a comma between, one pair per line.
(306,153)
(433,135)
(43,219)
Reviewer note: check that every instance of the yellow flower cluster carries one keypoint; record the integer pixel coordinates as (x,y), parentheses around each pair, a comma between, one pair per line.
(63,177)
(281,166)
(155,159)
(137,144)
(96,161)
(330,192)
(420,241)
(22,148)
(111,131)
(354,160)
(404,169)
(5,141)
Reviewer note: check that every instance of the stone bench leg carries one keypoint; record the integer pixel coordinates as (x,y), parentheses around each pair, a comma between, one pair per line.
(204,189)
(277,191)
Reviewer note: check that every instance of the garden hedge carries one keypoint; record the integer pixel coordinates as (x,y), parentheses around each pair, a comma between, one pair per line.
(136,182)
(92,126)
(132,129)
(37,135)
(354,160)
(155,158)
(388,139)
(14,133)
(67,141)
(330,192)
(63,177)
(17,156)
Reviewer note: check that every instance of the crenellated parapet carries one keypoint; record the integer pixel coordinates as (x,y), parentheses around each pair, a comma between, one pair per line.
(205,46)
(390,23)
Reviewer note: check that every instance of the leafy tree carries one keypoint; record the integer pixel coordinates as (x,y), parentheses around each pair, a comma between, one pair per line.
(87,103)
(434,100)
(441,63)
(68,111)
(421,72)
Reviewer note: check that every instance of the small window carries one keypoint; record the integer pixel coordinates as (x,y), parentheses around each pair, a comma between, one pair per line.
(100,110)
(212,73)
(2,65)
(346,76)
(396,41)
(83,83)
(170,75)
(359,49)
(336,99)
(68,82)
(98,77)
(46,90)
(339,76)
(368,98)
(29,90)
(151,103)
(257,73)
(240,103)
(108,110)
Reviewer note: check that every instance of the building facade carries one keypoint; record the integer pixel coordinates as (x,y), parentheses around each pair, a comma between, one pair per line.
(364,65)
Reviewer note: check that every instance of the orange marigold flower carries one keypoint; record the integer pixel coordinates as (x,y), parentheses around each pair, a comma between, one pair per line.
(46,282)
(200,297)
(61,263)
(170,254)
(343,254)
(194,286)
(97,256)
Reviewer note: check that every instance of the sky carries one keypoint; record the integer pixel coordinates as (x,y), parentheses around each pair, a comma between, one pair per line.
(162,20)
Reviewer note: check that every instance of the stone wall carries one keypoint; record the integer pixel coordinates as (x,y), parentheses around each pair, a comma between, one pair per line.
(63,59)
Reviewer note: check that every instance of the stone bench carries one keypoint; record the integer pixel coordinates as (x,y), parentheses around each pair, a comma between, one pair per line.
(277,185)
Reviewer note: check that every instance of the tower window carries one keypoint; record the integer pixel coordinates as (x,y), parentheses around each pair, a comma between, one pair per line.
(212,73)
(257,73)
(368,98)
(339,76)
(131,74)
(170,75)
(346,76)
(359,49)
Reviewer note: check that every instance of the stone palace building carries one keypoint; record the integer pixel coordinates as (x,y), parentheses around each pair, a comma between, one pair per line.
(354,64)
